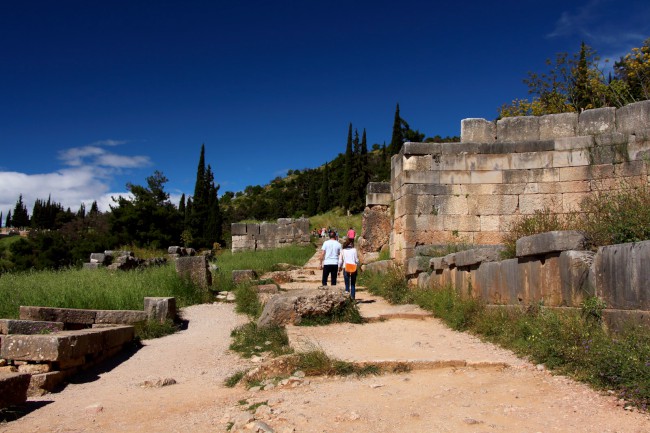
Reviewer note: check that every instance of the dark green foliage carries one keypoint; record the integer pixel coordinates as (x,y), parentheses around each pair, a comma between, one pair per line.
(391,285)
(20,218)
(397,139)
(154,329)
(324,201)
(149,218)
(233,380)
(247,300)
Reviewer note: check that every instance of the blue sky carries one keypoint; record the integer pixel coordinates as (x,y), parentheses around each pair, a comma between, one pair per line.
(95,94)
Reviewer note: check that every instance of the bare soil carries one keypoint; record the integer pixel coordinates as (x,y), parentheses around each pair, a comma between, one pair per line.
(458,384)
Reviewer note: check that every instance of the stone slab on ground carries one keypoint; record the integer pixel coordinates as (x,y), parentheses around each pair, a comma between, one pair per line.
(374,308)
(13,389)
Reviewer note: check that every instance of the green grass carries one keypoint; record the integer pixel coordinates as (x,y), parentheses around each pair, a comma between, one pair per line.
(97,289)
(249,340)
(318,363)
(259,261)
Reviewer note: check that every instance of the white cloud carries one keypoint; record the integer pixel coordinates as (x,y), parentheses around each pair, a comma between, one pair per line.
(86,177)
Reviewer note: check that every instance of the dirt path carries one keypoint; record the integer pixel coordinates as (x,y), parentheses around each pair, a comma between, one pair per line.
(460,385)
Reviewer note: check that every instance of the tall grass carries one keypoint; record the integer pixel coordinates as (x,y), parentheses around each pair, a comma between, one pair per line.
(260,261)
(94,289)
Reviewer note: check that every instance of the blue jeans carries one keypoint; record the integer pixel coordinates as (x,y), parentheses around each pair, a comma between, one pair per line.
(350,282)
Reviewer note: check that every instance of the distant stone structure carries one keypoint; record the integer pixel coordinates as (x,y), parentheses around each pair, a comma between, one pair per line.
(266,236)
(471,191)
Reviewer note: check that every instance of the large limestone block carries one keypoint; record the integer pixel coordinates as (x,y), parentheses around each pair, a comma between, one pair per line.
(534,175)
(492,205)
(160,308)
(633,117)
(13,389)
(373,199)
(379,267)
(418,162)
(65,315)
(489,176)
(574,143)
(455,177)
(531,160)
(475,256)
(529,203)
(196,269)
(513,129)
(558,125)
(27,327)
(238,229)
(97,258)
(416,265)
(622,275)
(378,187)
(550,242)
(292,307)
(575,278)
(572,158)
(124,317)
(597,121)
(477,131)
(489,283)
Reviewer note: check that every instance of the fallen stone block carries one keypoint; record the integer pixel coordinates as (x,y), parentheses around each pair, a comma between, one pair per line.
(196,269)
(122,317)
(65,315)
(491,253)
(291,307)
(380,267)
(550,242)
(9,326)
(45,382)
(160,309)
(92,266)
(13,389)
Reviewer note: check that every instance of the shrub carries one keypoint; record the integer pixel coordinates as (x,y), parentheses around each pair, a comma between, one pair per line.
(617,216)
(249,340)
(541,221)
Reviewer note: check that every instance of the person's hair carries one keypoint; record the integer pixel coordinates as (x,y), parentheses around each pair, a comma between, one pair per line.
(349,243)
(332,234)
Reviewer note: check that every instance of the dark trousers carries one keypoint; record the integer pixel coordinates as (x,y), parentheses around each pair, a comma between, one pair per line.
(330,269)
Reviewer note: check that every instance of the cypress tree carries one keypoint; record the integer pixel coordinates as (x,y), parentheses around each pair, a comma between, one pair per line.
(346,196)
(312,198)
(20,217)
(364,173)
(8,220)
(199,216)
(397,139)
(181,210)
(94,209)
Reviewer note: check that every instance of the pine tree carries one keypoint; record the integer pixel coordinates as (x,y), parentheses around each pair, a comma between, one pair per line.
(81,213)
(94,209)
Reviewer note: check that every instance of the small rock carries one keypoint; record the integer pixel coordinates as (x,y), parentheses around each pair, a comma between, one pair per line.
(269,387)
(299,373)
(230,297)
(257,359)
(471,421)
(354,416)
(261,427)
(540,367)
(263,411)
(94,408)
(256,389)
(376,385)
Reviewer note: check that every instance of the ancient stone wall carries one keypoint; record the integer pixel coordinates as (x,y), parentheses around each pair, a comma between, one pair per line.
(471,191)
(550,269)
(266,236)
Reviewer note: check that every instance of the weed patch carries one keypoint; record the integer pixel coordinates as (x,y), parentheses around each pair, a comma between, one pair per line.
(348,312)
(249,340)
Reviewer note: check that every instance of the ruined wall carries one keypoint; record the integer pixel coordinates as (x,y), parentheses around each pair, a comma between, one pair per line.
(551,269)
(266,236)
(471,191)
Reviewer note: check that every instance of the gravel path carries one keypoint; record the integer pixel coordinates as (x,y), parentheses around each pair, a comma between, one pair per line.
(497,392)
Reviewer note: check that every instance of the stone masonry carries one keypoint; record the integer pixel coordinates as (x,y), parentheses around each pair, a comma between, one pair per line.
(473,190)
(266,236)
